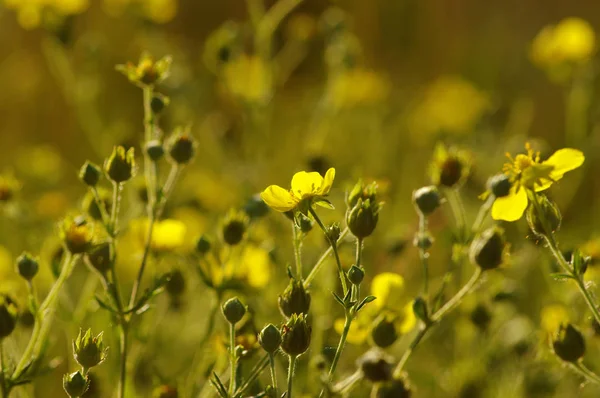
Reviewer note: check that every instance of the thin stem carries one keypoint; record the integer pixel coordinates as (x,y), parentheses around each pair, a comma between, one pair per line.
(145,255)
(580,368)
(124,351)
(46,312)
(167,189)
(346,385)
(273,374)
(413,344)
(458,211)
(114,214)
(482,214)
(290,377)
(341,344)
(359,249)
(232,358)
(322,259)
(256,371)
(334,249)
(423,254)
(297,251)
(105,217)
(269,23)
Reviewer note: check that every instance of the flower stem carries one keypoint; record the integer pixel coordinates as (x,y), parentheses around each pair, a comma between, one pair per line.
(297,251)
(3,385)
(273,374)
(482,214)
(341,344)
(458,211)
(290,377)
(424,254)
(232,358)
(123,352)
(333,248)
(254,373)
(580,368)
(322,259)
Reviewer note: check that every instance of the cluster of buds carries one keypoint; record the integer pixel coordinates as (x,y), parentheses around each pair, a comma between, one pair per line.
(89,351)
(363,209)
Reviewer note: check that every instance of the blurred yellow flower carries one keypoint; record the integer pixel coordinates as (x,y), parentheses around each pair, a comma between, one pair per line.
(526,172)
(388,287)
(159,11)
(9,186)
(359,329)
(167,235)
(30,12)
(248,78)
(552,316)
(449,105)
(355,87)
(306,188)
(571,40)
(252,266)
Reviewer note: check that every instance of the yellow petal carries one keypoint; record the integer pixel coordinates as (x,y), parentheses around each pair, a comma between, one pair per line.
(564,160)
(327,182)
(357,334)
(278,198)
(511,207)
(388,287)
(408,320)
(306,184)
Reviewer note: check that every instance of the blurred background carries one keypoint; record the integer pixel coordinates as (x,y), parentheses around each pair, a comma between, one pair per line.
(369,87)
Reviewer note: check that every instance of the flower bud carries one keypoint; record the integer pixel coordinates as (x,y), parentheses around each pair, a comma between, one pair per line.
(333,232)
(76,234)
(165,391)
(423,240)
(356,275)
(89,351)
(8,316)
(203,245)
(120,165)
(395,388)
(158,103)
(90,206)
(295,338)
(234,227)
(384,332)
(233,310)
(376,365)
(99,258)
(363,217)
(451,171)
(488,249)
(255,207)
(155,150)
(568,343)
(270,338)
(27,266)
(176,284)
(181,147)
(295,299)
(550,216)
(90,174)
(499,185)
(305,223)
(427,199)
(75,384)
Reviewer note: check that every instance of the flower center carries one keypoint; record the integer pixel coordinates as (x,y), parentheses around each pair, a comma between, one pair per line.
(522,162)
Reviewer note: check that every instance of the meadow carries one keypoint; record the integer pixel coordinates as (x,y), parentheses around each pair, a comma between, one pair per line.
(299,198)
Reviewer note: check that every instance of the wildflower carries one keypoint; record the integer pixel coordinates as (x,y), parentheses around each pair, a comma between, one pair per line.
(148,71)
(572,40)
(77,234)
(89,351)
(30,14)
(450,167)
(248,78)
(307,189)
(168,235)
(488,250)
(181,146)
(528,174)
(552,316)
(357,87)
(234,227)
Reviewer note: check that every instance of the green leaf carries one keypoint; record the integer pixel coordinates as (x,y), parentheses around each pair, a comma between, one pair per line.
(338,299)
(365,301)
(324,203)
(105,305)
(420,310)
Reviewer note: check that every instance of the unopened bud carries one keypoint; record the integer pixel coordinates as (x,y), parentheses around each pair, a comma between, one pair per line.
(376,365)
(120,165)
(295,338)
(363,217)
(568,343)
(233,310)
(203,245)
(158,103)
(8,316)
(99,257)
(27,266)
(90,174)
(181,147)
(235,226)
(75,384)
(295,299)
(499,185)
(395,388)
(548,217)
(89,351)
(270,338)
(356,275)
(384,332)
(155,150)
(488,249)
(427,199)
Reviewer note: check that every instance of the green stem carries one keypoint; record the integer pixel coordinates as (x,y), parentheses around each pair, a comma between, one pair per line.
(273,374)
(290,377)
(580,368)
(103,213)
(437,317)
(232,358)
(46,313)
(341,344)
(334,249)
(482,214)
(297,251)
(256,371)
(346,385)
(124,351)
(458,211)
(424,254)
(322,259)
(114,214)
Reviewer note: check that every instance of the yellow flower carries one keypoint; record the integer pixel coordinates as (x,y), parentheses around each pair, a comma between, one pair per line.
(167,235)
(527,173)
(552,316)
(571,40)
(355,87)
(450,166)
(306,189)
(248,78)
(252,266)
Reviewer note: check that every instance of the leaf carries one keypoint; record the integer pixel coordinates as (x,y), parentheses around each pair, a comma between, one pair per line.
(105,305)
(216,382)
(156,288)
(338,299)
(420,310)
(365,301)
(325,203)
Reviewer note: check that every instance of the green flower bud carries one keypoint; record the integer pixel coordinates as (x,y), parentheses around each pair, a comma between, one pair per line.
(90,174)
(568,343)
(499,185)
(76,234)
(8,316)
(165,391)
(203,245)
(256,208)
(233,310)
(155,150)
(75,384)
(305,223)
(158,103)
(89,351)
(176,284)
(376,365)
(270,338)
(295,299)
(451,171)
(488,249)
(363,217)
(99,257)
(427,199)
(181,147)
(333,232)
(120,165)
(384,332)
(235,226)
(395,388)
(27,266)
(319,363)
(550,216)
(295,337)
(356,275)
